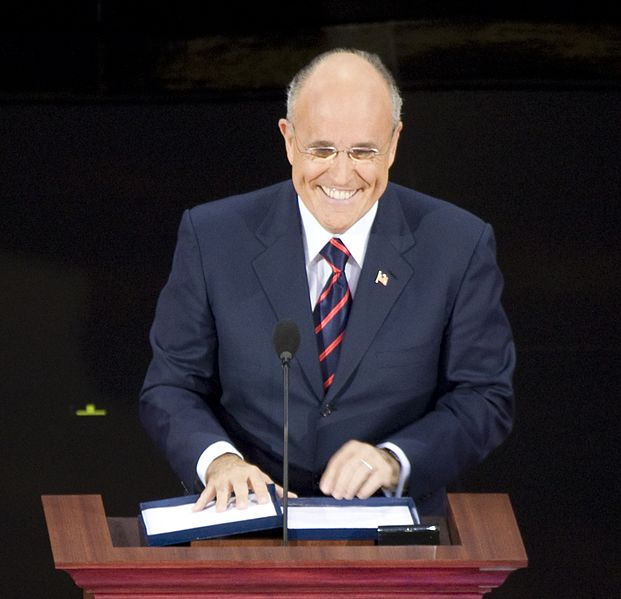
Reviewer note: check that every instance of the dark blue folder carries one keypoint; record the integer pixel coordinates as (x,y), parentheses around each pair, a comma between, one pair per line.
(177,537)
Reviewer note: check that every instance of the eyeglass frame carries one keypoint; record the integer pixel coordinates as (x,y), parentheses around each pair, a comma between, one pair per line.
(375,152)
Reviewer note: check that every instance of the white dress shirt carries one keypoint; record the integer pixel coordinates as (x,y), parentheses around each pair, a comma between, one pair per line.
(315,237)
(318,271)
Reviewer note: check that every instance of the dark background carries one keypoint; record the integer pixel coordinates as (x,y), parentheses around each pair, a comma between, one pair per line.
(113,119)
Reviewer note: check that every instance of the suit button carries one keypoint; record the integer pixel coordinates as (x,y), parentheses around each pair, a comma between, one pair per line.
(326,410)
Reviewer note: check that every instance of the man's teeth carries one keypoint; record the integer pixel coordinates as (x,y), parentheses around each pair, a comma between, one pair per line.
(338,194)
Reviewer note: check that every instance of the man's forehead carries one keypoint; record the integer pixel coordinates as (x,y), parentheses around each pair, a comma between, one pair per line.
(343,70)
(332,119)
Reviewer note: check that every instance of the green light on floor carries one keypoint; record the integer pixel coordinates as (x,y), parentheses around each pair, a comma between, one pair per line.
(90,410)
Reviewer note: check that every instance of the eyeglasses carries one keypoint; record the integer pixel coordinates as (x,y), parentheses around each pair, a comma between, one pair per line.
(363,154)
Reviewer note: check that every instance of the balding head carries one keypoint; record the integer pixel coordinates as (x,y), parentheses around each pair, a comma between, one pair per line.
(346,65)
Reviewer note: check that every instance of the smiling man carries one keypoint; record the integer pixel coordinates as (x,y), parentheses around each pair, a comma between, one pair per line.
(403,378)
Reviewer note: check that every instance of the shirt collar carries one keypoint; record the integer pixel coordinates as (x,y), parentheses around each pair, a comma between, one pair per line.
(355,238)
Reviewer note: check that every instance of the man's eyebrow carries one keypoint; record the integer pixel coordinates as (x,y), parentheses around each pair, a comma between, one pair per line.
(322,143)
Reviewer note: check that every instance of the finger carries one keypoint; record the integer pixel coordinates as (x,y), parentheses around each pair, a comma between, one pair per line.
(280,493)
(223,494)
(381,470)
(259,487)
(338,472)
(362,480)
(331,475)
(370,486)
(241,494)
(341,480)
(338,469)
(372,482)
(206,497)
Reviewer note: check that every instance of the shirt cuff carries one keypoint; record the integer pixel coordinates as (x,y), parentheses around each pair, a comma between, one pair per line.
(215,450)
(404,473)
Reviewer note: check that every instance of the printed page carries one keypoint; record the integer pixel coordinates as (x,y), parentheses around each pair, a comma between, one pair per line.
(160,520)
(302,517)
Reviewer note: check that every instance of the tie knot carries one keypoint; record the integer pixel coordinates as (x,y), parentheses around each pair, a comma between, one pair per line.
(336,254)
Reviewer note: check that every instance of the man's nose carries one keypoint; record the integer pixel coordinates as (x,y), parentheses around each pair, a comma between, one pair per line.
(341,167)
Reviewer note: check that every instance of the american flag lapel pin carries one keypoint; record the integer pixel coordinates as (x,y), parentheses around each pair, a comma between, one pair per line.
(381,278)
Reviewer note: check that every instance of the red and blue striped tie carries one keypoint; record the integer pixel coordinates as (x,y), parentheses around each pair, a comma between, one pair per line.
(332,310)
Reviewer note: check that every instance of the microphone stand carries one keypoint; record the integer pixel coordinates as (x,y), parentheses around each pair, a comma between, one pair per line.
(286,339)
(285,357)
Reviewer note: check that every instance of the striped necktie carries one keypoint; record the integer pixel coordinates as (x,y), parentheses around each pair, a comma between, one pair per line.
(332,310)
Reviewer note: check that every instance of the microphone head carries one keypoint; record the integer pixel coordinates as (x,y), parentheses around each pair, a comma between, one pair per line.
(286,339)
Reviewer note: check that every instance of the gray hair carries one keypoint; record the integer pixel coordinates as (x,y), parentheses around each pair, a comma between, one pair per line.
(374,60)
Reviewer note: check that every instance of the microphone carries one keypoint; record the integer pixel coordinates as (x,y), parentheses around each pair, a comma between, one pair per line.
(286,340)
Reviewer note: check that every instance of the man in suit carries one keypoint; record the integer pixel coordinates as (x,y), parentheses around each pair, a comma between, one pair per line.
(417,385)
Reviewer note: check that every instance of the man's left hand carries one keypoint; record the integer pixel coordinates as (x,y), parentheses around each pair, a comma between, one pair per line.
(358,470)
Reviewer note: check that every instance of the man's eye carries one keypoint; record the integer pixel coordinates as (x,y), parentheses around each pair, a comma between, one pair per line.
(363,153)
(322,152)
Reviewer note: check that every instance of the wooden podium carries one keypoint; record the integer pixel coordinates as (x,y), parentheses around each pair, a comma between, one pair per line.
(104,558)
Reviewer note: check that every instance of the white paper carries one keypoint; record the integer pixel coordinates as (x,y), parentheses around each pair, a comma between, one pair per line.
(348,516)
(160,520)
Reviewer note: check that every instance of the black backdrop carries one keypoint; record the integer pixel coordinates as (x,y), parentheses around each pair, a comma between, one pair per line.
(92,193)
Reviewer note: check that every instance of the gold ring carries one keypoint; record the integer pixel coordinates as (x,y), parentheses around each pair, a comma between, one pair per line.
(366,464)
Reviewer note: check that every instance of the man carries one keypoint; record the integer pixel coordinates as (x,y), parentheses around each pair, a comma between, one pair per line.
(413,387)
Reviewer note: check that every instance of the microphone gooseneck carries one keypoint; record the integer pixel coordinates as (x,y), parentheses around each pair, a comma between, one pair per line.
(286,340)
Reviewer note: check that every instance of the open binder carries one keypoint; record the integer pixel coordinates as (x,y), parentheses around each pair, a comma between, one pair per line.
(172,521)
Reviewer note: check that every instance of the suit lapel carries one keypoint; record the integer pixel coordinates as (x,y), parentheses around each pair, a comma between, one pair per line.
(282,273)
(389,242)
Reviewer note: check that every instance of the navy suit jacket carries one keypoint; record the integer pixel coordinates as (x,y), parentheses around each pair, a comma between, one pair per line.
(427,360)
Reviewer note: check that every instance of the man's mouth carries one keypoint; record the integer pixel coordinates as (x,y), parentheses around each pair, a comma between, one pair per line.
(338,194)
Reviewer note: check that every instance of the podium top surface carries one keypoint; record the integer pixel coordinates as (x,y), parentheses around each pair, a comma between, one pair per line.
(483,528)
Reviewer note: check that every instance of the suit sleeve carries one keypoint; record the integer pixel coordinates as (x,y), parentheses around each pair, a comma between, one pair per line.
(473,410)
(182,378)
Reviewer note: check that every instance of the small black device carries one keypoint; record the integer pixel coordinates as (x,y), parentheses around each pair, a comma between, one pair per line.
(411,534)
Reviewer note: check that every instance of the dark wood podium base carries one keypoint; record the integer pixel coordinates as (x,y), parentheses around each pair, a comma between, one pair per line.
(104,558)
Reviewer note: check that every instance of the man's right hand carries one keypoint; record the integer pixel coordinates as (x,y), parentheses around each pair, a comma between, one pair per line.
(229,475)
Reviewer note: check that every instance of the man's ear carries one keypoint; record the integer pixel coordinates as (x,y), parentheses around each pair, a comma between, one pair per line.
(393,143)
(286,130)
